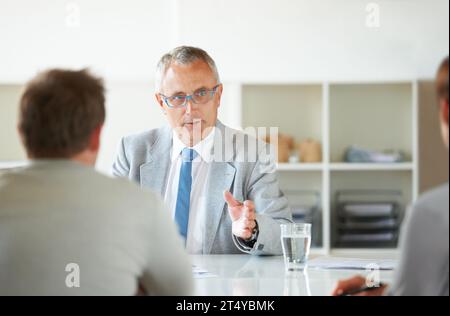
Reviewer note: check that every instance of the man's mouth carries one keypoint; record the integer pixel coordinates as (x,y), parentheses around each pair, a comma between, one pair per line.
(192,123)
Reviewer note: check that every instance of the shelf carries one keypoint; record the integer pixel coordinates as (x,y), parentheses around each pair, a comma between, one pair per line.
(300,167)
(407,166)
(12,164)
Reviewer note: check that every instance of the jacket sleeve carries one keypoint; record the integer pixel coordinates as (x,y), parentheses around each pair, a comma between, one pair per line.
(271,208)
(121,166)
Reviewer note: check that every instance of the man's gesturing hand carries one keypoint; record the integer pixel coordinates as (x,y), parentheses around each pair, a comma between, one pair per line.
(242,215)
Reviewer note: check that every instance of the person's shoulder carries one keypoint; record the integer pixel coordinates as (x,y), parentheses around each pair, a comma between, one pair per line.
(250,133)
(126,197)
(244,139)
(6,176)
(435,201)
(146,138)
(123,186)
(434,196)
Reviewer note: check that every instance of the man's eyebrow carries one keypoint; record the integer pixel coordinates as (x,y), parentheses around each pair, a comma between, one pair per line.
(177,93)
(202,88)
(184,93)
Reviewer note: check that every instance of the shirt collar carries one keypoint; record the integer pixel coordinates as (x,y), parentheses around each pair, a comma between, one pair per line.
(203,148)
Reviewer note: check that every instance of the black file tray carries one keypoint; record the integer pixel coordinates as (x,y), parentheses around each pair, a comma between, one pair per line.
(368,218)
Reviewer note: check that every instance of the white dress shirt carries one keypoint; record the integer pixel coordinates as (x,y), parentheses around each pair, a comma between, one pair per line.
(200,172)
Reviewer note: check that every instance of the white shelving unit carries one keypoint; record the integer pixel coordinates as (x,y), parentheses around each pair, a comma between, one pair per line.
(374,115)
(300,167)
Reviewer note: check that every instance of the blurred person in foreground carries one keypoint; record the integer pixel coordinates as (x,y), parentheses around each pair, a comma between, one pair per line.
(64,228)
(423,268)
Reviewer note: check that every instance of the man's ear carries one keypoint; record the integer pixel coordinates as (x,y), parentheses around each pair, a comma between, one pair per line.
(160,102)
(20,133)
(219,94)
(444,111)
(94,144)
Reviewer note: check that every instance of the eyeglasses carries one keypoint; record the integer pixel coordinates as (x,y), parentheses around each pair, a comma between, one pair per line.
(200,96)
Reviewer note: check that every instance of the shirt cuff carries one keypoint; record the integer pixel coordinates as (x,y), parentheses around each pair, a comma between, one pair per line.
(249,244)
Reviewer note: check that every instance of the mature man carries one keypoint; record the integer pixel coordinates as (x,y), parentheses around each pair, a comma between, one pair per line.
(423,268)
(196,159)
(67,230)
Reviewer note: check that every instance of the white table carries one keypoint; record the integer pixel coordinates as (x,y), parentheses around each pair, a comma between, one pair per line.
(245,275)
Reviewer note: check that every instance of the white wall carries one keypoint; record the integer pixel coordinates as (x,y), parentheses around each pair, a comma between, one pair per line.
(251,40)
(290,40)
(254,40)
(130,109)
(10,146)
(120,39)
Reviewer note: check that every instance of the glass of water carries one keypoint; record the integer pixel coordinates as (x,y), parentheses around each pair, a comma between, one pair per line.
(296,241)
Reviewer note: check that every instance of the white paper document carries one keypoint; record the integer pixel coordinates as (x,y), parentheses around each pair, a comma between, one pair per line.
(200,273)
(351,263)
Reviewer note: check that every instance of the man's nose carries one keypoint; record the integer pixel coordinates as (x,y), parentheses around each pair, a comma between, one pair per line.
(189,105)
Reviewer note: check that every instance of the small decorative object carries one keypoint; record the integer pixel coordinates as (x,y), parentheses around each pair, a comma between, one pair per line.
(285,146)
(310,151)
(355,154)
(294,159)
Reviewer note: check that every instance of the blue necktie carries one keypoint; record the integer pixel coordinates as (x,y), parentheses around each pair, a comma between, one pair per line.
(184,191)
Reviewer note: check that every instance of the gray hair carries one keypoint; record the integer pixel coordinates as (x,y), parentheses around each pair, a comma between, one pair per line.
(183,55)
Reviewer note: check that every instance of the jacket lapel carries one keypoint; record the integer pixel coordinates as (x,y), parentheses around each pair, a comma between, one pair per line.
(221,178)
(155,171)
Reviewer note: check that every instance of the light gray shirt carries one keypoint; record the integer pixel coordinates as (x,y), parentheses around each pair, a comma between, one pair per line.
(55,214)
(423,268)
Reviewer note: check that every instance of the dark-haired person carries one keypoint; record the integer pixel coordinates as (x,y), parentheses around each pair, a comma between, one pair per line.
(423,268)
(67,230)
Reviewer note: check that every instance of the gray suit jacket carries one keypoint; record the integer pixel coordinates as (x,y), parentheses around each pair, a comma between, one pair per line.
(145,158)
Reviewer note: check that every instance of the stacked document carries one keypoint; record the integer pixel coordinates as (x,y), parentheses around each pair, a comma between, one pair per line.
(351,263)
(368,209)
(386,237)
(376,224)
(201,273)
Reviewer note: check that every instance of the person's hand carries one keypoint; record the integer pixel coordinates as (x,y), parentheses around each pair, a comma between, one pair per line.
(356,283)
(242,215)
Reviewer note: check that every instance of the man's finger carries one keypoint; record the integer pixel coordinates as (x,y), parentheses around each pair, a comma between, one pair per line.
(231,201)
(249,213)
(235,213)
(245,234)
(349,284)
(249,204)
(250,224)
(245,212)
